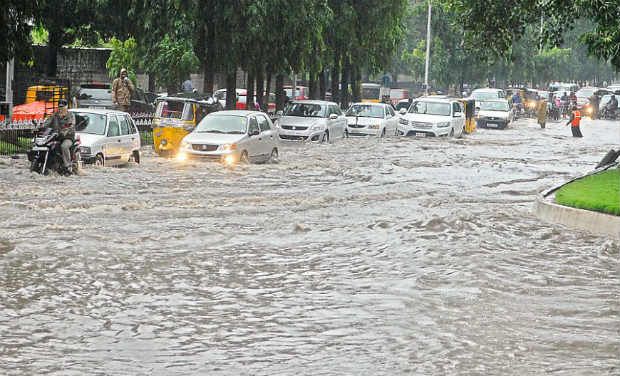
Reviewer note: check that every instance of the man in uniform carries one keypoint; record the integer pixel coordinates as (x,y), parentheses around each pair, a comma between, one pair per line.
(575,121)
(63,122)
(122,88)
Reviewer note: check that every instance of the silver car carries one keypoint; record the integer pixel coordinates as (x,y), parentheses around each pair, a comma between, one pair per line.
(309,120)
(232,136)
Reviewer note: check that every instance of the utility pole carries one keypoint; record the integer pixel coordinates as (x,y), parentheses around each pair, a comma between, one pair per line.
(10,70)
(428,48)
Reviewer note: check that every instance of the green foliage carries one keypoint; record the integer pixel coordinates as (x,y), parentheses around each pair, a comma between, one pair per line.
(600,192)
(15,21)
(174,61)
(123,55)
(39,35)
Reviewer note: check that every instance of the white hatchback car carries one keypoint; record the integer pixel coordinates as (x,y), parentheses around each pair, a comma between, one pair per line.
(375,119)
(487,94)
(107,137)
(310,120)
(432,116)
(233,136)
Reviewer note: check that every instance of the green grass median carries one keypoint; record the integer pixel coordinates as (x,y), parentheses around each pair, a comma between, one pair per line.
(600,192)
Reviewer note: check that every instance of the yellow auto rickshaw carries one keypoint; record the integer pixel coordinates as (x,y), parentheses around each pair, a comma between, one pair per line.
(469,106)
(46,93)
(177,116)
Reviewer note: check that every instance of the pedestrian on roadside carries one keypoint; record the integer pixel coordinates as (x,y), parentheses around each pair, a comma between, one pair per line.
(122,89)
(575,122)
(541,112)
(187,86)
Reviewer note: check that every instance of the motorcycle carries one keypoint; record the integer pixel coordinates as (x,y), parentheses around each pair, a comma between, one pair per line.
(46,155)
(607,114)
(516,111)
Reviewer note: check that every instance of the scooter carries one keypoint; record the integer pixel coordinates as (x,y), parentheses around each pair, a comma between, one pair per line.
(607,114)
(46,155)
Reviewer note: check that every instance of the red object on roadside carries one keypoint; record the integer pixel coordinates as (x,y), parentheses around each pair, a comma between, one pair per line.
(32,111)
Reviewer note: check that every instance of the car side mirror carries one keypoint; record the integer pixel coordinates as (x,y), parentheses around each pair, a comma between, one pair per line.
(458,114)
(333,117)
(255,132)
(279,113)
(403,111)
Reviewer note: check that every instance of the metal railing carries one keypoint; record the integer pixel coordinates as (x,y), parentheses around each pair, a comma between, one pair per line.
(16,137)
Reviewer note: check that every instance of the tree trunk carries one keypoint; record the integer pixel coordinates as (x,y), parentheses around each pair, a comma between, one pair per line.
(322,84)
(344,84)
(209,64)
(53,45)
(171,88)
(152,87)
(231,89)
(336,79)
(312,86)
(356,83)
(267,90)
(280,94)
(250,90)
(260,87)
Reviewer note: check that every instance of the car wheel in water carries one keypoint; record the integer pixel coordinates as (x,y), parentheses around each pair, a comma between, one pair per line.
(451,133)
(383,133)
(244,158)
(99,160)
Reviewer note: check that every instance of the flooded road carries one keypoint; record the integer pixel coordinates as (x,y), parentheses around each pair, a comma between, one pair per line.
(365,256)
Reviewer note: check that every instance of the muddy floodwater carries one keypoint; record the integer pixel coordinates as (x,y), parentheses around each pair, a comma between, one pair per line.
(360,257)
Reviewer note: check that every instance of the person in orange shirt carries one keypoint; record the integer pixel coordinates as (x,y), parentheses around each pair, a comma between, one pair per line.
(575,122)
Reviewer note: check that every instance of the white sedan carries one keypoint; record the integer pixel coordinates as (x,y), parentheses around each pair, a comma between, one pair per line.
(371,119)
(232,136)
(311,120)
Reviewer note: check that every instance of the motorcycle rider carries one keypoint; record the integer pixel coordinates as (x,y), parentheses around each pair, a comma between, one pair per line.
(594,105)
(63,122)
(612,106)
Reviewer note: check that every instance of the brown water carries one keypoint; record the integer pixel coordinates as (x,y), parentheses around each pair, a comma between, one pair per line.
(363,257)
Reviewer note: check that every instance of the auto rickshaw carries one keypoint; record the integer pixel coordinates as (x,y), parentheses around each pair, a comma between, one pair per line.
(469,106)
(177,116)
(530,101)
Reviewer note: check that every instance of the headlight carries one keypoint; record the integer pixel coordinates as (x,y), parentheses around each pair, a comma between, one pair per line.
(85,150)
(317,127)
(404,121)
(185,145)
(444,124)
(229,147)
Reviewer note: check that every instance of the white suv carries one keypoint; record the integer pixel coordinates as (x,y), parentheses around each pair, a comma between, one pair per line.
(432,116)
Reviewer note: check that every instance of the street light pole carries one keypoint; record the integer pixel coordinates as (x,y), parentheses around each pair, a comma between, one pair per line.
(428,48)
(10,66)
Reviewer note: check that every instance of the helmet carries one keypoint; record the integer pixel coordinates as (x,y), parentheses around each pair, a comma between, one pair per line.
(62,103)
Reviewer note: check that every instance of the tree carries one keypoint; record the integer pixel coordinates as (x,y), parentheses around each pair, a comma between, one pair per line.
(123,55)
(15,28)
(173,61)
(498,25)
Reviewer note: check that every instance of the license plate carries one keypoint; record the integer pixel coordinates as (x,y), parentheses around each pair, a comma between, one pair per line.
(420,134)
(492,125)
(39,148)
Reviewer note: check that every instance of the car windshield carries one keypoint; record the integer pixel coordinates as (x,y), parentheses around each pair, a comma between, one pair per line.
(494,106)
(90,123)
(222,124)
(430,108)
(305,110)
(484,95)
(289,92)
(95,94)
(585,92)
(174,110)
(366,110)
(371,93)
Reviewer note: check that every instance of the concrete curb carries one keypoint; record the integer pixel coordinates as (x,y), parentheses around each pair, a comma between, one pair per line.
(594,222)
